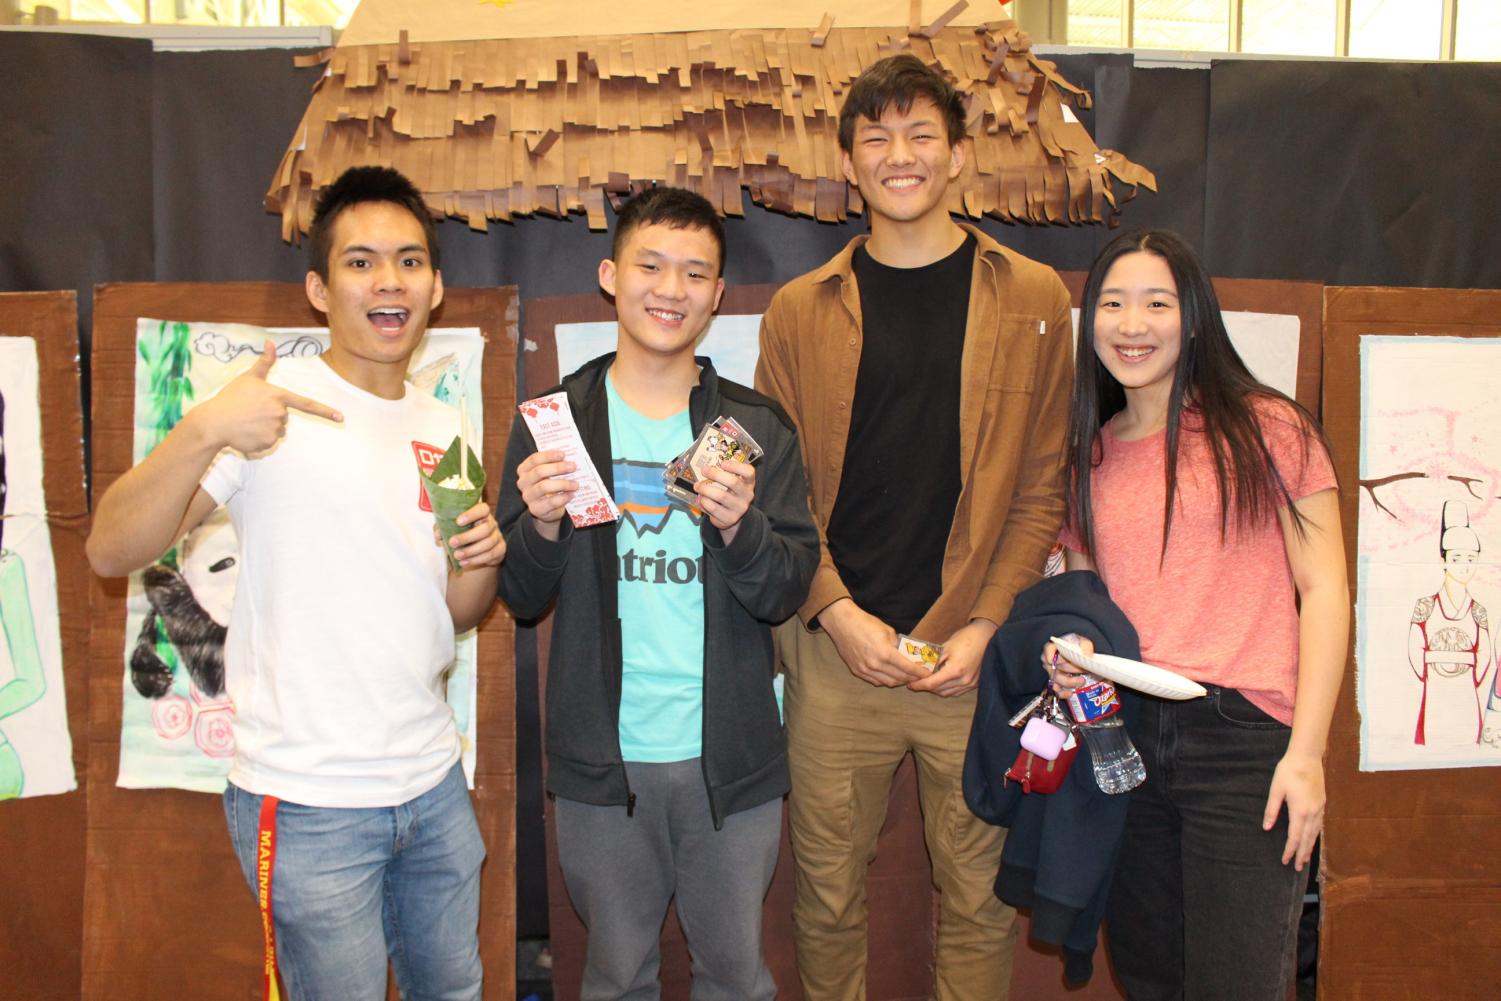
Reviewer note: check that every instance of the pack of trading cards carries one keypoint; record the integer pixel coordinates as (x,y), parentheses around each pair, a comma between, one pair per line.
(919,651)
(721,439)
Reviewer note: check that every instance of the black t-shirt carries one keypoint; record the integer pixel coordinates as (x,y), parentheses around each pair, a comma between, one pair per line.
(900,482)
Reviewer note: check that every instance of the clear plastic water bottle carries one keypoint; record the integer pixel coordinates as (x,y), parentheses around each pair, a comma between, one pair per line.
(1117,765)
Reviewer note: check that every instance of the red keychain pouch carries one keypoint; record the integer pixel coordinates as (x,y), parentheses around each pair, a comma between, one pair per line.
(1037,774)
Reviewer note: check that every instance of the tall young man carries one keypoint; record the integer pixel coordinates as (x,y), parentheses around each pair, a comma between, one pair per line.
(344,616)
(927,369)
(665,751)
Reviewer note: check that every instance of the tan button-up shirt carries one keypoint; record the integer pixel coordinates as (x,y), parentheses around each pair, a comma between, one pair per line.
(1016,376)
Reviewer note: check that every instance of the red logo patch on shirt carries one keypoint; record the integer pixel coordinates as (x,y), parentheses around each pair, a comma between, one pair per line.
(428,457)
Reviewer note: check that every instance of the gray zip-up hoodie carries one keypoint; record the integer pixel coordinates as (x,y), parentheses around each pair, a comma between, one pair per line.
(758,580)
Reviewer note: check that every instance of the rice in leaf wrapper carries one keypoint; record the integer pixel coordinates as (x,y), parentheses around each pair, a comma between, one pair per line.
(449,502)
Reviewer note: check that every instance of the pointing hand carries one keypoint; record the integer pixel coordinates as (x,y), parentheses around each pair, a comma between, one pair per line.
(250,414)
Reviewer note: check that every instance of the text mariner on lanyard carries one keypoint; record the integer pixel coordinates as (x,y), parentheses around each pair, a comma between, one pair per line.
(265,860)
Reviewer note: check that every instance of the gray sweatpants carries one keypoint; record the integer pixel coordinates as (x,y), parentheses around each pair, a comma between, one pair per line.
(622,871)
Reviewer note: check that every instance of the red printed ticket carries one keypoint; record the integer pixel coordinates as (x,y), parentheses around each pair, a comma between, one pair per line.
(552,426)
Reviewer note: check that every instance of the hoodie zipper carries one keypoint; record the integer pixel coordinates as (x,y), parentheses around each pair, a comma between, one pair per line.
(703,583)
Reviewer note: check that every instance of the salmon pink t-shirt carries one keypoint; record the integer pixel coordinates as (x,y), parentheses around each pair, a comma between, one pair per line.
(1219,612)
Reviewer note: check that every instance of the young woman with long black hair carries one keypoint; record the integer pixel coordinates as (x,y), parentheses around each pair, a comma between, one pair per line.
(1206,502)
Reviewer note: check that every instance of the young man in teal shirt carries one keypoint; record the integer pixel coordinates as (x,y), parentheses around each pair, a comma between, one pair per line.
(666,753)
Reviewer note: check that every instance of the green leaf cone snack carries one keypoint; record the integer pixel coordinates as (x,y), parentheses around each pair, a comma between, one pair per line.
(455,498)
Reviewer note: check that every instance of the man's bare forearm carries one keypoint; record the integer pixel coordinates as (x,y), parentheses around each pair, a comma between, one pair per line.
(148,508)
(471,594)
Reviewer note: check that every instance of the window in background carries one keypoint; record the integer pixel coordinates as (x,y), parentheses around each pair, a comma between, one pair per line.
(1478,31)
(1396,29)
(1288,27)
(1384,29)
(1096,23)
(108,11)
(319,12)
(1197,25)
(253,12)
(222,13)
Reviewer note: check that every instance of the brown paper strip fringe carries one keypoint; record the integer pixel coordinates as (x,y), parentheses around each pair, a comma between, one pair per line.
(489,129)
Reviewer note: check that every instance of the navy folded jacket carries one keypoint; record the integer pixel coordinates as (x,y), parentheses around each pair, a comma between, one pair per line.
(1060,853)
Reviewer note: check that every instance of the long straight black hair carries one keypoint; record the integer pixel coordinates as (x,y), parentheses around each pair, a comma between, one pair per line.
(1210,380)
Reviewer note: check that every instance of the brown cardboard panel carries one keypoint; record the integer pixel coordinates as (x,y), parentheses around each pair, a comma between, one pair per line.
(674,107)
(1409,942)
(162,889)
(42,862)
(540,316)
(1410,888)
(1302,299)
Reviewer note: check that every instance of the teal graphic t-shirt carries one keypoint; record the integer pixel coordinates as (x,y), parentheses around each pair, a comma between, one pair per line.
(659,558)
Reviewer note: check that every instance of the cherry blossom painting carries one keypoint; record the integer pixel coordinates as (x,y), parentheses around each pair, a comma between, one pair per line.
(1429,531)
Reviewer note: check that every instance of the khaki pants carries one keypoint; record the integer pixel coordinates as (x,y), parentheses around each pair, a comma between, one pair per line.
(846,739)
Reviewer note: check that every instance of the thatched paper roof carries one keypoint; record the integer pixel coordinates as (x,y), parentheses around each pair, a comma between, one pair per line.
(492,128)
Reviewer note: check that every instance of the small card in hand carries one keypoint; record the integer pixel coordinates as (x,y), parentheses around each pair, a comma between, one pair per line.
(721,439)
(919,651)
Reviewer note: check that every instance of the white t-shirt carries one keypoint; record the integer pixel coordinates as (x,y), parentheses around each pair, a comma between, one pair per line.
(339,633)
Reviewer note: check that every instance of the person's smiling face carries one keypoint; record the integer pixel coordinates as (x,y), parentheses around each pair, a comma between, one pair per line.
(381,286)
(903,163)
(1138,326)
(666,285)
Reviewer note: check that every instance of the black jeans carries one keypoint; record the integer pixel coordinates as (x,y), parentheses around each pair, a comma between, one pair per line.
(1202,908)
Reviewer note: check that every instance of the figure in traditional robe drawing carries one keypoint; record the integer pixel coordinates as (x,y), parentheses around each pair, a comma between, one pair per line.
(26,684)
(1449,643)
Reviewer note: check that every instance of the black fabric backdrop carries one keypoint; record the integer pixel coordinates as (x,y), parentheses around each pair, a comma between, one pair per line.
(1355,174)
(120,164)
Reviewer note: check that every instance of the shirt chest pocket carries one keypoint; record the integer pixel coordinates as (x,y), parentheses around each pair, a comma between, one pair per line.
(1013,363)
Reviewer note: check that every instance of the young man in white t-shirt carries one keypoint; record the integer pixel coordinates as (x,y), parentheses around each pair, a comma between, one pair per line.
(344,616)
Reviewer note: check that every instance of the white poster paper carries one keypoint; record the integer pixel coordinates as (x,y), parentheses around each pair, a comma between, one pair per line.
(733,343)
(175,732)
(1266,342)
(36,752)
(1430,524)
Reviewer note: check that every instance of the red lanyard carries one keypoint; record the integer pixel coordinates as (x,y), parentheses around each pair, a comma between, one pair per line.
(265,859)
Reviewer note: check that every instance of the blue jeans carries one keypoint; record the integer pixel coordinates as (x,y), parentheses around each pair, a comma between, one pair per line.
(1202,908)
(352,887)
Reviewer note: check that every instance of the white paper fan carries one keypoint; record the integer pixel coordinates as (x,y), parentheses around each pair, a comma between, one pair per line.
(1131,673)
